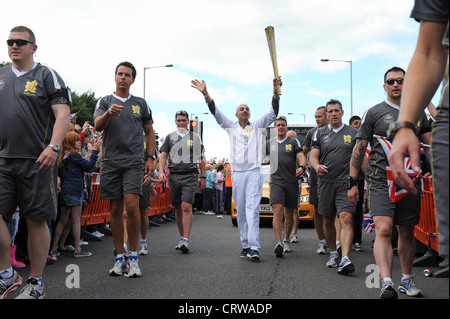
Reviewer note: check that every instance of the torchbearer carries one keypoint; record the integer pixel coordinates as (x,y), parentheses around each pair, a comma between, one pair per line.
(247,143)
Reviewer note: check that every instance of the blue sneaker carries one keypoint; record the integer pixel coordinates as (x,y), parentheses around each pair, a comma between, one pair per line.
(409,288)
(333,262)
(346,267)
(253,255)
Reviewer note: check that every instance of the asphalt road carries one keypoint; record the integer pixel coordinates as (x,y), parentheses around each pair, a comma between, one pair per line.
(213,270)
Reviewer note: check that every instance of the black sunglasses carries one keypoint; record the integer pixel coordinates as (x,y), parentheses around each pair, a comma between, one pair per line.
(183,113)
(19,42)
(392,81)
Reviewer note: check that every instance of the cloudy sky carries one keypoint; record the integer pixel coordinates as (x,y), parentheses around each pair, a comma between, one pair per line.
(223,43)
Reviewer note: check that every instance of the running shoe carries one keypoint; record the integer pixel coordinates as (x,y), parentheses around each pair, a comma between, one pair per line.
(133,268)
(8,285)
(82,253)
(409,288)
(143,248)
(32,290)
(346,267)
(286,247)
(244,252)
(333,262)
(294,238)
(388,290)
(322,250)
(120,267)
(253,255)
(279,250)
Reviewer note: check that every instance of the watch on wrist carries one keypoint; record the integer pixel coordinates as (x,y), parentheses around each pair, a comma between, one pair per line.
(54,147)
(204,177)
(151,156)
(395,126)
(352,181)
(302,167)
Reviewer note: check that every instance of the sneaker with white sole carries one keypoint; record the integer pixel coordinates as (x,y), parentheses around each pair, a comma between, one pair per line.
(322,250)
(409,288)
(278,250)
(120,267)
(346,267)
(388,290)
(8,285)
(333,261)
(143,248)
(32,290)
(294,238)
(133,268)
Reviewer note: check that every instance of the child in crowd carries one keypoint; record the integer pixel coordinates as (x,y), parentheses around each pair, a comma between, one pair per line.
(73,166)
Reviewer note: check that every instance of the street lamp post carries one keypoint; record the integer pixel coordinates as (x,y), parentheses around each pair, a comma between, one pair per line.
(304,116)
(351,80)
(154,67)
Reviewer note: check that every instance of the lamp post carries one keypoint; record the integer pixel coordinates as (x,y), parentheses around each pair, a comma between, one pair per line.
(154,67)
(192,115)
(351,80)
(304,116)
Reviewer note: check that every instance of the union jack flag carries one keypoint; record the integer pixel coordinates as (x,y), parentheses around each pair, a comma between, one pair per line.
(396,192)
(369,225)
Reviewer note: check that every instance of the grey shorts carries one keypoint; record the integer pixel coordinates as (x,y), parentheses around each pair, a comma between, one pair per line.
(182,188)
(405,212)
(23,185)
(144,200)
(333,199)
(286,194)
(120,177)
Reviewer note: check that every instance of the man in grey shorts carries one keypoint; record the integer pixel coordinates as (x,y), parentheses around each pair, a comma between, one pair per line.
(321,120)
(404,213)
(330,156)
(285,152)
(123,118)
(185,151)
(34,108)
(433,39)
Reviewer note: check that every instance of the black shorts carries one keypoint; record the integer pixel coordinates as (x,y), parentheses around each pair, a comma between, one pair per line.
(313,180)
(286,194)
(23,184)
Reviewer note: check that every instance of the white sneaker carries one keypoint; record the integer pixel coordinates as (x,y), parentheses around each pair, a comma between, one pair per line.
(286,247)
(119,268)
(322,250)
(294,238)
(133,268)
(32,291)
(143,248)
(357,247)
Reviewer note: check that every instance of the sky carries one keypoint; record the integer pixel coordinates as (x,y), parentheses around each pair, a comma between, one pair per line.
(224,44)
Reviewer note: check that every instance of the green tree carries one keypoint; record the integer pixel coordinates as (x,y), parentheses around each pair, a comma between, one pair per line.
(84,105)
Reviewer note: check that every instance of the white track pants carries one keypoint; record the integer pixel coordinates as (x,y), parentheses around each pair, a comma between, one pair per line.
(247,191)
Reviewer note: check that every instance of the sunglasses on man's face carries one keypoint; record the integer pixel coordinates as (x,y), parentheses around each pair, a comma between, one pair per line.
(19,42)
(392,81)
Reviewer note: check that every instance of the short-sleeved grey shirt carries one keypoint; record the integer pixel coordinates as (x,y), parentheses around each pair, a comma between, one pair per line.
(26,115)
(376,121)
(122,137)
(185,152)
(335,151)
(283,159)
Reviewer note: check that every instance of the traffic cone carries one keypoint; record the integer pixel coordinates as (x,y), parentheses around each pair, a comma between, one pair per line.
(14,262)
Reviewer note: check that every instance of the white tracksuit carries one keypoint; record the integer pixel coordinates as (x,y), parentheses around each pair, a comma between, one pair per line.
(247,150)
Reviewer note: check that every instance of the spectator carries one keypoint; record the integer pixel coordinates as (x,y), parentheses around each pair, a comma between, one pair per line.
(185,152)
(218,187)
(246,156)
(73,166)
(34,156)
(386,212)
(122,118)
(207,191)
